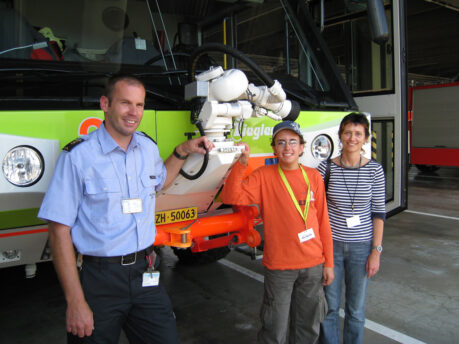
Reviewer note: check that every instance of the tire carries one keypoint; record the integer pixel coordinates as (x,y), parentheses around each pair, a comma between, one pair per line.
(187,257)
(427,168)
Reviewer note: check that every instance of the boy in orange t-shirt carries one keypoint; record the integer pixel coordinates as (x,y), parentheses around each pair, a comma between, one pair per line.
(298,247)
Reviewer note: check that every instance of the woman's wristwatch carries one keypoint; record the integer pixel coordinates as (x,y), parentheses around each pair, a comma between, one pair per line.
(378,248)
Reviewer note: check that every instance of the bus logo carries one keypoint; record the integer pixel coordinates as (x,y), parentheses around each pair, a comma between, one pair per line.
(87,124)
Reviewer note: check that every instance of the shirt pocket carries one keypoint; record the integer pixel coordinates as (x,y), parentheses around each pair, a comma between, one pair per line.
(151,180)
(101,186)
(102,204)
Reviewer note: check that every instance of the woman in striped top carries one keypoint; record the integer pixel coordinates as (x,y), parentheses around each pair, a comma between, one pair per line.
(356,207)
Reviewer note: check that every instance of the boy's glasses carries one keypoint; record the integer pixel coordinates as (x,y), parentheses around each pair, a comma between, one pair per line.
(283,143)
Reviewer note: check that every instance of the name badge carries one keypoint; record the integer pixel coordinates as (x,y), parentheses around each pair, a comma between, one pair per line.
(131,205)
(140,44)
(353,221)
(306,235)
(150,279)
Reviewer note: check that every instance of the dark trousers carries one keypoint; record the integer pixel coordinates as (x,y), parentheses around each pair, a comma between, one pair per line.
(118,301)
(293,306)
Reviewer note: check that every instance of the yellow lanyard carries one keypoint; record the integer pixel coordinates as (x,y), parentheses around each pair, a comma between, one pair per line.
(292,195)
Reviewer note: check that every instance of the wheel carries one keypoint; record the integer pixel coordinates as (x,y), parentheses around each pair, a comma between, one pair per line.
(185,256)
(427,168)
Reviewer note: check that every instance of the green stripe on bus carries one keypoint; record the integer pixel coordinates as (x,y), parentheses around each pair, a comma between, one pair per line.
(19,218)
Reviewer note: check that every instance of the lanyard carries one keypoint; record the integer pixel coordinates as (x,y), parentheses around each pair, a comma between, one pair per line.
(352,198)
(292,195)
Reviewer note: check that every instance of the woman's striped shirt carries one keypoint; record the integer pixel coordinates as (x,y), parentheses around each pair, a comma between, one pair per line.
(360,188)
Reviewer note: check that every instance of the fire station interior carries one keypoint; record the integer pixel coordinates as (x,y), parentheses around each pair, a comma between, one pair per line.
(414,299)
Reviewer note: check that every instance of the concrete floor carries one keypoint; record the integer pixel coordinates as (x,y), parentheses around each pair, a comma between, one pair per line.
(414,298)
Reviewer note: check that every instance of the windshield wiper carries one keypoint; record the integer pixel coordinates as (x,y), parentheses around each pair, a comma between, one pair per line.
(34,46)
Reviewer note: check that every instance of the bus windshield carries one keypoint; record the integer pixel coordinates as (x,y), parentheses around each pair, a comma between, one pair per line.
(47,44)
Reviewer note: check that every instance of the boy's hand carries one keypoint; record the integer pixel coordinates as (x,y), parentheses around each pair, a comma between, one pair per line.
(328,276)
(244,158)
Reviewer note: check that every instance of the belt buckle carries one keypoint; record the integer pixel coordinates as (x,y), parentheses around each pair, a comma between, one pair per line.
(129,263)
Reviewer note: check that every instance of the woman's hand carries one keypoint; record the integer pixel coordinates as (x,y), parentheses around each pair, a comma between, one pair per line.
(373,262)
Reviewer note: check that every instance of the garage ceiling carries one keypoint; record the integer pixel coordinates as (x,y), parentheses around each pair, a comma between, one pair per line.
(452,4)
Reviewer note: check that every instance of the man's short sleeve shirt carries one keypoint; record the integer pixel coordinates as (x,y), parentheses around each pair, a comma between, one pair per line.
(89,183)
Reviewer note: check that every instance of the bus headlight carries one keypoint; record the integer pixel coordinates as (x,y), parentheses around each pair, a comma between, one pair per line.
(321,147)
(23,166)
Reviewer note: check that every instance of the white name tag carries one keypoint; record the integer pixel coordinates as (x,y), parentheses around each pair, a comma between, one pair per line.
(150,279)
(131,205)
(306,235)
(140,44)
(353,221)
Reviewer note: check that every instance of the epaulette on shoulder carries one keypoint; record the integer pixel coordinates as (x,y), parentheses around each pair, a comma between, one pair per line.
(73,144)
(148,136)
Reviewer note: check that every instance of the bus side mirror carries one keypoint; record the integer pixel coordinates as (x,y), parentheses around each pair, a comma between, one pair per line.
(377,21)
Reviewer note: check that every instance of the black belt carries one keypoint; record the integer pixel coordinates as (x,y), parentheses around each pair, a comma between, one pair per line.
(127,259)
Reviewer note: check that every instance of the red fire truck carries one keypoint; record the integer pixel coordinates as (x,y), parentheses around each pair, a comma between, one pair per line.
(434,126)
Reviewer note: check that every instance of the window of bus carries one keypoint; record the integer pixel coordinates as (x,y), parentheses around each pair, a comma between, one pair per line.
(365,65)
(265,33)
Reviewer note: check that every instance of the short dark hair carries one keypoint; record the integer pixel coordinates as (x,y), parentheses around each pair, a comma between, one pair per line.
(355,118)
(113,80)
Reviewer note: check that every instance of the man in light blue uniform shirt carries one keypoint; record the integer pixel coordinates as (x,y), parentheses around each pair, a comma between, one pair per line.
(101,203)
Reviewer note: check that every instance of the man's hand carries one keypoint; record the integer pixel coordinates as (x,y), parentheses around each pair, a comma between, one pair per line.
(79,318)
(174,164)
(194,146)
(328,276)
(244,158)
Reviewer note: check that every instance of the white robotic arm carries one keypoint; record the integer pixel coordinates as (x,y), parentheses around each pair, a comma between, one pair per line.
(229,95)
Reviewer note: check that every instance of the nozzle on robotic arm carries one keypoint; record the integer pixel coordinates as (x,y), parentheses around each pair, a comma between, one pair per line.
(274,100)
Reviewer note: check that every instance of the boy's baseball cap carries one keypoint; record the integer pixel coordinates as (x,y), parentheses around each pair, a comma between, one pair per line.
(293,126)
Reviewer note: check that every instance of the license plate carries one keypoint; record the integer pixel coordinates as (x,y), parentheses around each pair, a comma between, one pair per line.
(176,215)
